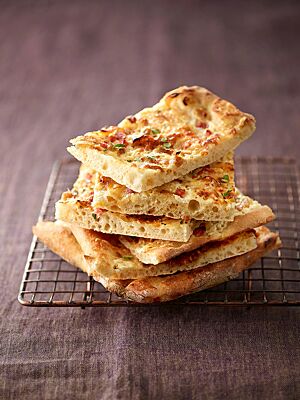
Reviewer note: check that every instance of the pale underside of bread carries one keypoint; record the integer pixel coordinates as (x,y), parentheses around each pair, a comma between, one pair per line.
(60,239)
(115,261)
(151,251)
(206,193)
(189,128)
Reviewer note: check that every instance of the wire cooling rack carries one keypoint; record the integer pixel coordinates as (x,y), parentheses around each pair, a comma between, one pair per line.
(273,280)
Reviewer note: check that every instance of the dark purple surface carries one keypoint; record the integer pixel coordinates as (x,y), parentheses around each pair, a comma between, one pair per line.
(71,66)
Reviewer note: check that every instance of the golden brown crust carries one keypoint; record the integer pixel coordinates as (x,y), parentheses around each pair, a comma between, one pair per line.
(114,261)
(75,207)
(189,128)
(157,251)
(166,288)
(59,239)
(205,193)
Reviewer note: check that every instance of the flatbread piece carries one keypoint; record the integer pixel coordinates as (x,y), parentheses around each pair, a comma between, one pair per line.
(189,128)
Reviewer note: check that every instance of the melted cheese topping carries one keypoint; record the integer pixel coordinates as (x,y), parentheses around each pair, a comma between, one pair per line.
(188,122)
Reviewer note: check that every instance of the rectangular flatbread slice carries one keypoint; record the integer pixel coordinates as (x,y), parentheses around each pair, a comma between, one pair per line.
(116,262)
(190,127)
(75,207)
(206,193)
(170,287)
(249,214)
(60,239)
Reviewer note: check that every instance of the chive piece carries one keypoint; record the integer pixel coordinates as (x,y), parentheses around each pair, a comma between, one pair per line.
(167,145)
(225,179)
(94,216)
(127,257)
(164,139)
(151,157)
(226,194)
(119,146)
(155,131)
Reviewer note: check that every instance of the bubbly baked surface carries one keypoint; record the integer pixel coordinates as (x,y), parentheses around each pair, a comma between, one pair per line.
(205,193)
(188,128)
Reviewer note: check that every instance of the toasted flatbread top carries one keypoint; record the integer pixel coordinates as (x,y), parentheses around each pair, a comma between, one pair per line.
(75,207)
(190,127)
(205,193)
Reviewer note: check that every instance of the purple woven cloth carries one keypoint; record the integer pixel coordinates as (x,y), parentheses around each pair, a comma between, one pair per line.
(71,66)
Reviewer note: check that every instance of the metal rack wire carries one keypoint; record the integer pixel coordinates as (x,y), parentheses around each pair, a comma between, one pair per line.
(274,280)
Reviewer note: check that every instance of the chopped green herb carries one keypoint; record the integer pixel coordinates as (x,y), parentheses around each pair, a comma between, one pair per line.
(167,145)
(164,139)
(225,179)
(119,146)
(127,257)
(155,131)
(151,157)
(137,159)
(94,216)
(226,194)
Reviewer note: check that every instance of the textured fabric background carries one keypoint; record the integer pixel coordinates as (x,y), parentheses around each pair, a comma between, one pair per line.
(71,66)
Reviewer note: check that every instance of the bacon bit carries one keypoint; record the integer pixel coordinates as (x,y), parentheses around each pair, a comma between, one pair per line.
(208,132)
(172,95)
(200,230)
(187,144)
(105,181)
(143,121)
(132,119)
(184,132)
(180,192)
(190,142)
(129,191)
(118,136)
(146,141)
(204,193)
(202,125)
(212,140)
(166,150)
(152,166)
(99,211)
(185,100)
(104,145)
(178,160)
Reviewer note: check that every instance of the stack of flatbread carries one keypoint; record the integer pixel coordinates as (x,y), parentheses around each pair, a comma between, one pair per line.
(154,213)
